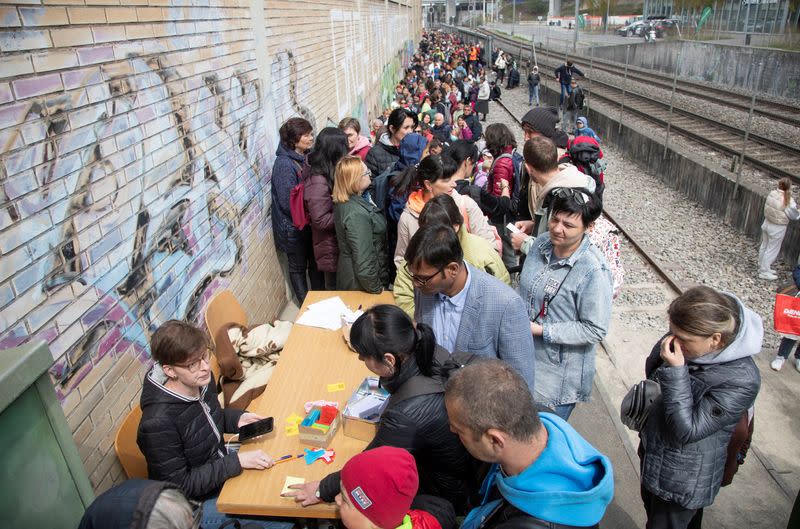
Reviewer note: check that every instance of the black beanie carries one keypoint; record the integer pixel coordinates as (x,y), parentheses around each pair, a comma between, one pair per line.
(542,120)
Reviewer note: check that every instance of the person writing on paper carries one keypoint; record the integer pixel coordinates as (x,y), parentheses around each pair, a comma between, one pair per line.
(180,433)
(406,358)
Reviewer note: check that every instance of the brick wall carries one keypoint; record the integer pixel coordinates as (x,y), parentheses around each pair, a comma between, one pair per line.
(136,141)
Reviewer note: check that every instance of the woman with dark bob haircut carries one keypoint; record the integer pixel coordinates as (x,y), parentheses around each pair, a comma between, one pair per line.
(180,433)
(392,347)
(297,136)
(566,282)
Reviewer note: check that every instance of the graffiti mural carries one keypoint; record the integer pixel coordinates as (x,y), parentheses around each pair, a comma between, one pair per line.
(141,225)
(133,193)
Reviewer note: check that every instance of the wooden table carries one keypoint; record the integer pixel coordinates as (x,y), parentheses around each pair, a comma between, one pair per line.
(311,359)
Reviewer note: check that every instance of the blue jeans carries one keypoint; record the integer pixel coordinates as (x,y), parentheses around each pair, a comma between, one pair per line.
(565,89)
(564,410)
(533,94)
(785,348)
(212,518)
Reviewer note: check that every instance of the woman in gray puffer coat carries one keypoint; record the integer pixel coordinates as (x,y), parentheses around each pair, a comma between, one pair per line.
(708,382)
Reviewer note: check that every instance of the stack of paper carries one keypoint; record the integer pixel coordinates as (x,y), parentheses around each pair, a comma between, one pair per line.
(327,314)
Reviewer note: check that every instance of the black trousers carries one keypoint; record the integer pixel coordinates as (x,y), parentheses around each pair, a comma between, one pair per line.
(663,514)
(301,262)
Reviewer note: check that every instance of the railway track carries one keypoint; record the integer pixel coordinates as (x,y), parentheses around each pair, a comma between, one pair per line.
(774,158)
(773,110)
(660,270)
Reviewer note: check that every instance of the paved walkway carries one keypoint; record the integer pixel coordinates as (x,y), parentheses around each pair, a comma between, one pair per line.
(762,493)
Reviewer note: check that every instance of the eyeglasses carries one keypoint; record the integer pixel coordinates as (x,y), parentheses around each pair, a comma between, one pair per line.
(567,192)
(195,365)
(366,173)
(422,280)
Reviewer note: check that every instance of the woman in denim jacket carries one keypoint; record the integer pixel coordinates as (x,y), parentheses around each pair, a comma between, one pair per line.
(567,284)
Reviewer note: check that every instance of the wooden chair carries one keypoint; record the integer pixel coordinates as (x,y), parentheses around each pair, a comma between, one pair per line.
(128,452)
(223,308)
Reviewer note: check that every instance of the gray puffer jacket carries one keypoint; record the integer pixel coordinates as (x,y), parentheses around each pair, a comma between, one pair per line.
(685,440)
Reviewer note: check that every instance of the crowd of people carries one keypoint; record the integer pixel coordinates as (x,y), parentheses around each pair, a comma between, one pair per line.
(483,377)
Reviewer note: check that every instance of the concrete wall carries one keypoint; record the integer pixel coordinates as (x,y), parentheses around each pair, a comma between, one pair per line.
(772,71)
(136,142)
(691,174)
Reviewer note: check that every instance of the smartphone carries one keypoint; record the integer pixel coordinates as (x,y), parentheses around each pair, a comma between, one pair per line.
(254,429)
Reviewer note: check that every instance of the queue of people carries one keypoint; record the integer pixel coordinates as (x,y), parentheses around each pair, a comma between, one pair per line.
(482,377)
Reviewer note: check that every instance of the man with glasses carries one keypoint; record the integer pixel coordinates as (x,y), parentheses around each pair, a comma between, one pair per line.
(469,310)
(180,433)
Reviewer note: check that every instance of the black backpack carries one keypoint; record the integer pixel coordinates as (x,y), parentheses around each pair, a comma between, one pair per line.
(586,157)
(580,97)
(422,385)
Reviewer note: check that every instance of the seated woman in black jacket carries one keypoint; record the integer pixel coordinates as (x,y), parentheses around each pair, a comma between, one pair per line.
(180,433)
(393,348)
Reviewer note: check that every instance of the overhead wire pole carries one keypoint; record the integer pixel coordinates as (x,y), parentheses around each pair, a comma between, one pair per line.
(624,84)
(513,15)
(575,34)
(672,101)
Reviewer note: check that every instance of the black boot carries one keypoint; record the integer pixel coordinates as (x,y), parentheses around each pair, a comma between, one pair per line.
(299,286)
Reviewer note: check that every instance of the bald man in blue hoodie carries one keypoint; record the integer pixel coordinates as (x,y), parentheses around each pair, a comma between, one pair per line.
(544,474)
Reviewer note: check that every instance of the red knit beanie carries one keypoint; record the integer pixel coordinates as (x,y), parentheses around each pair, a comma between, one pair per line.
(381,483)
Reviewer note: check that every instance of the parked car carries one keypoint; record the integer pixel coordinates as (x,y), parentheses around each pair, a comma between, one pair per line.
(633,29)
(665,28)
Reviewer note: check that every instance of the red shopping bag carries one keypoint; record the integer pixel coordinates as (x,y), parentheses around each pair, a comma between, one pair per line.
(787,314)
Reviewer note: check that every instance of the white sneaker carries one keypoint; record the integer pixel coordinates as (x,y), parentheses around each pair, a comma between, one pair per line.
(797,363)
(777,364)
(769,276)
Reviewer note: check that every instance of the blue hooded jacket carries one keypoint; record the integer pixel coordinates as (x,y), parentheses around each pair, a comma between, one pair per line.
(411,148)
(586,131)
(570,483)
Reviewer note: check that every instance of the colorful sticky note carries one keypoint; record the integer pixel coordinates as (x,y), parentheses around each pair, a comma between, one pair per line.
(293,419)
(291,480)
(339,386)
(291,430)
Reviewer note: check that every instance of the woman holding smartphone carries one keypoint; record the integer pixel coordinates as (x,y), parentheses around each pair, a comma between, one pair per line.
(708,381)
(180,433)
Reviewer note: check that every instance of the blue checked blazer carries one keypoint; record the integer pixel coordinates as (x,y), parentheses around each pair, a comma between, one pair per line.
(494,323)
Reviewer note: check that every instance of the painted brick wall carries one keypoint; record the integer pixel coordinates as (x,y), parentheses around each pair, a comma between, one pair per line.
(136,141)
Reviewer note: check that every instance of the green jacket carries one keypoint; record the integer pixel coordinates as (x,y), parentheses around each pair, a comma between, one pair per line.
(361,234)
(477,252)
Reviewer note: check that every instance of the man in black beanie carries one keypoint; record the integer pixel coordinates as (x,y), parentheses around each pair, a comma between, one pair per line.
(543,121)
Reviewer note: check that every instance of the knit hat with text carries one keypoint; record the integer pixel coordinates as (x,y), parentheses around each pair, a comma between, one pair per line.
(381,483)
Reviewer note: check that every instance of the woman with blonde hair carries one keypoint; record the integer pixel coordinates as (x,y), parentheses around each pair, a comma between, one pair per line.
(779,209)
(709,382)
(360,230)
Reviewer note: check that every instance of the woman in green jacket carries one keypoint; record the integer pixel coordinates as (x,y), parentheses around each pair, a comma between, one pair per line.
(442,209)
(360,230)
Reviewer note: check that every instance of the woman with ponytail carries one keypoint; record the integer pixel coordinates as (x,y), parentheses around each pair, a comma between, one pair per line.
(779,209)
(431,177)
(402,353)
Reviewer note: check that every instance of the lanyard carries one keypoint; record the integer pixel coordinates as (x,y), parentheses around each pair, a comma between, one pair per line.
(551,289)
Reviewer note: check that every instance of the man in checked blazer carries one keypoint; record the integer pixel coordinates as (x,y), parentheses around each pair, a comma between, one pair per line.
(468,309)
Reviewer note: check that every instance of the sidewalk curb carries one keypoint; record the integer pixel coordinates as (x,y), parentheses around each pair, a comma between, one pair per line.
(613,412)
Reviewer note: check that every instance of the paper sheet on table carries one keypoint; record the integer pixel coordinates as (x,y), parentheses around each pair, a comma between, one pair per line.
(326,314)
(291,480)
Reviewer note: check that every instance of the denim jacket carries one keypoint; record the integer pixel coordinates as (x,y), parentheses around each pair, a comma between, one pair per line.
(576,319)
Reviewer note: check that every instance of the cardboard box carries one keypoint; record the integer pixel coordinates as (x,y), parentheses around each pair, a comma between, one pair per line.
(314,436)
(363,411)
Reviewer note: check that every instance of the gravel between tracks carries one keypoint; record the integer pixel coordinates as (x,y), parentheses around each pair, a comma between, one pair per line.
(695,244)
(761,125)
